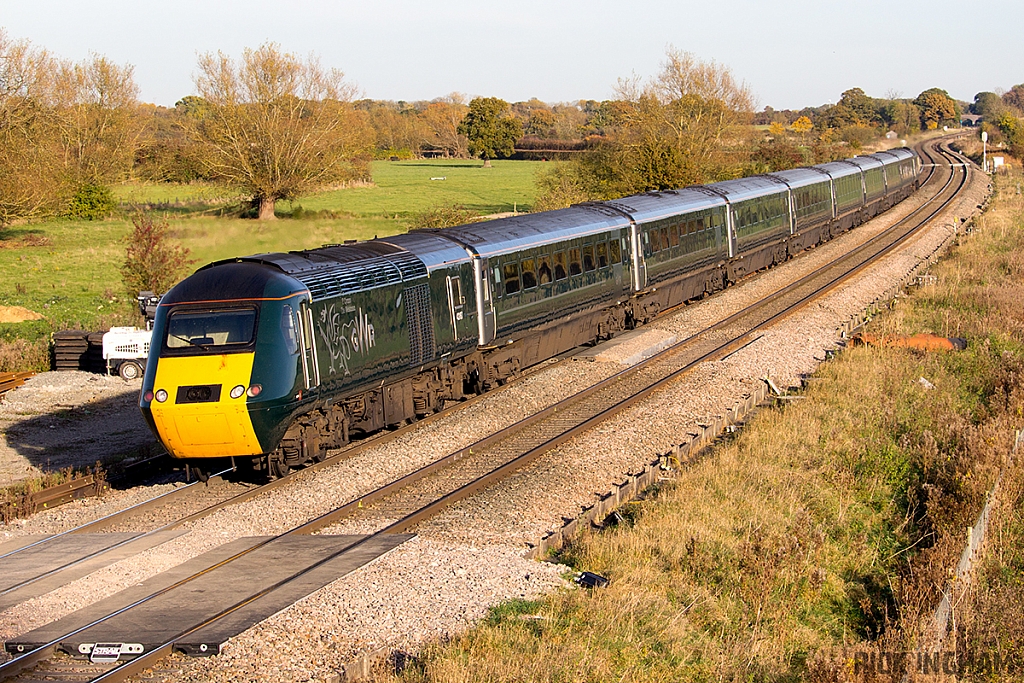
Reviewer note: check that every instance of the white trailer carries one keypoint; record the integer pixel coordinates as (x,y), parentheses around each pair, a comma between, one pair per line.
(125,350)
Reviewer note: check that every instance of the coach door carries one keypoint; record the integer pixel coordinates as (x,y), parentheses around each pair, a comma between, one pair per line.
(730,229)
(636,248)
(484,301)
(310,367)
(456,304)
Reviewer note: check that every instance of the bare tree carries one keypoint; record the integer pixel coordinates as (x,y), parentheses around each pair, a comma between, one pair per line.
(96,113)
(277,126)
(443,117)
(674,129)
(62,125)
(28,177)
(682,127)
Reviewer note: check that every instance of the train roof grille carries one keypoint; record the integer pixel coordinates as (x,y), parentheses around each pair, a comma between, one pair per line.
(332,272)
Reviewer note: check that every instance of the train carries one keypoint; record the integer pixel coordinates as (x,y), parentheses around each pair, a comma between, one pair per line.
(276,358)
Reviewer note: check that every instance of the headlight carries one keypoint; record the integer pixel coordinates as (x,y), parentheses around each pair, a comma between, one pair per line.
(237,391)
(254,390)
(160,395)
(148,396)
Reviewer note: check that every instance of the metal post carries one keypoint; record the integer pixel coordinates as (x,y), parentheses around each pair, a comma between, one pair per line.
(984,151)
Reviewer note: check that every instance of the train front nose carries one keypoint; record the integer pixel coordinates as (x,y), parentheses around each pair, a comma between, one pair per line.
(203,411)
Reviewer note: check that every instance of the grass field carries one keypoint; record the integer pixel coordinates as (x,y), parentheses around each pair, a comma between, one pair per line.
(68,271)
(399,189)
(404,188)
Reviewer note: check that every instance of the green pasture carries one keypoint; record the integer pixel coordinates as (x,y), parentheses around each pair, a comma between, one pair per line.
(399,188)
(409,187)
(68,271)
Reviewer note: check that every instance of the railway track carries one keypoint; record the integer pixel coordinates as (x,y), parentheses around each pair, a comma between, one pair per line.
(401,505)
(406,502)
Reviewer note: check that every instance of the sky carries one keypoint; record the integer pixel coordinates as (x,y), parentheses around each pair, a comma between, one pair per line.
(792,53)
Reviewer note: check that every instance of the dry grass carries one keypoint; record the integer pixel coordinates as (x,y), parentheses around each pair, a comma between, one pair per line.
(14,498)
(18,355)
(826,526)
(990,616)
(780,547)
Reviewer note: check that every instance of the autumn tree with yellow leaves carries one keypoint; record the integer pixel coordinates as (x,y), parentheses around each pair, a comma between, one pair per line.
(276,126)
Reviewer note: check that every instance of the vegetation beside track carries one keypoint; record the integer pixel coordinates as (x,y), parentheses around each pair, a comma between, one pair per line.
(824,527)
(68,271)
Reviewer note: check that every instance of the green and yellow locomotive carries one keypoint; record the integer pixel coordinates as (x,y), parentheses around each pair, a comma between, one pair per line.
(278,357)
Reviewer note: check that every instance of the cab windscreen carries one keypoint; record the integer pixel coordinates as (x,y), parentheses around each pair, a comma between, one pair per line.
(211,330)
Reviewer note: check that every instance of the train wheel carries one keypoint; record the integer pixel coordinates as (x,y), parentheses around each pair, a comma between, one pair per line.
(277,468)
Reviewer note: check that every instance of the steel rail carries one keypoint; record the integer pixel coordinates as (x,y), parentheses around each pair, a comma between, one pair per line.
(423,512)
(427,470)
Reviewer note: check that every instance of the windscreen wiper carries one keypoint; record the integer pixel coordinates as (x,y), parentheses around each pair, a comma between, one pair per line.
(204,347)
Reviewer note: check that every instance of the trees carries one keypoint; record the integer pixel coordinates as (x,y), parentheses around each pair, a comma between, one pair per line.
(442,117)
(98,120)
(397,126)
(1012,129)
(802,125)
(63,126)
(680,128)
(276,126)
(29,168)
(491,128)
(988,105)
(672,131)
(1014,97)
(902,116)
(937,108)
(855,108)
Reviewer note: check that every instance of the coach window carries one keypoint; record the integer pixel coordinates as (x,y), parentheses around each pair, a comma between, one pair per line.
(497,280)
(511,273)
(602,255)
(575,267)
(529,276)
(560,271)
(618,253)
(664,238)
(673,235)
(588,258)
(544,269)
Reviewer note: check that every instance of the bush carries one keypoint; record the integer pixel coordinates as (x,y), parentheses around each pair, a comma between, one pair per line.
(22,355)
(776,155)
(91,203)
(151,262)
(444,216)
(563,185)
(859,135)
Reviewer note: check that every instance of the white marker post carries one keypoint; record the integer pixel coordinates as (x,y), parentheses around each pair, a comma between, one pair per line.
(984,151)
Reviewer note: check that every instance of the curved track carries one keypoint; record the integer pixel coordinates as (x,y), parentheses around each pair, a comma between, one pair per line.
(406,502)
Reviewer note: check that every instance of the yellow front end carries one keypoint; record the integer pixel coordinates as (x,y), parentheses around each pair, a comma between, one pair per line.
(205,429)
